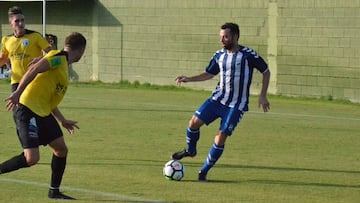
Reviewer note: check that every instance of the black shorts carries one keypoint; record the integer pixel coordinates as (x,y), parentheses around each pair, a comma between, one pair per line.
(34,130)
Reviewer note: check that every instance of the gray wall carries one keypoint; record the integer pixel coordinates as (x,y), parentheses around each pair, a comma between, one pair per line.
(312,46)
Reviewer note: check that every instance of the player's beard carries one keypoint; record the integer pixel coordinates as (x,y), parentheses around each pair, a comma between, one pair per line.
(229,46)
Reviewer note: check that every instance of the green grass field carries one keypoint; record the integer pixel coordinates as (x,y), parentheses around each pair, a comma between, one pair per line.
(303,150)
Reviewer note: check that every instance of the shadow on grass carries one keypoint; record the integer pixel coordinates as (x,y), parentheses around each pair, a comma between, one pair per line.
(158,163)
(127,201)
(290,183)
(284,182)
(276,168)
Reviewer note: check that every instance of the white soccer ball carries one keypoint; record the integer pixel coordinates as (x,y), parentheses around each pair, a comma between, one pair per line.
(174,170)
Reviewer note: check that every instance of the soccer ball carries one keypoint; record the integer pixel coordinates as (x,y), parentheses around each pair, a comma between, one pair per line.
(173,170)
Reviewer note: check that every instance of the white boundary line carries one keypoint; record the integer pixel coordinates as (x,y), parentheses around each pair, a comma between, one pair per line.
(254,112)
(80,190)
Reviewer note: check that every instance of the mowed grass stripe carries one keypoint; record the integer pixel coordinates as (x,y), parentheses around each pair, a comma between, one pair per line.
(81,190)
(298,152)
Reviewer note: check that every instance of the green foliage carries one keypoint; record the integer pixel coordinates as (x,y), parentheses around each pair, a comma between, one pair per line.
(303,150)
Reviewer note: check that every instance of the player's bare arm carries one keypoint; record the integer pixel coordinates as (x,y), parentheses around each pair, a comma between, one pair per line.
(263,102)
(47,49)
(69,125)
(201,77)
(13,100)
(3,59)
(35,60)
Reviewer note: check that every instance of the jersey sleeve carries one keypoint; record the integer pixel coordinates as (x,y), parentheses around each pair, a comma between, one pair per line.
(258,62)
(213,67)
(3,47)
(54,61)
(55,58)
(42,42)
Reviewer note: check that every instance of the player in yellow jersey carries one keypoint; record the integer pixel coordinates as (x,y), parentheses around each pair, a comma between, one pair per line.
(21,47)
(40,91)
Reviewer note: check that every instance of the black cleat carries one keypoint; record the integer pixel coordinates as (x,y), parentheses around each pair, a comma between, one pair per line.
(181,154)
(202,177)
(56,194)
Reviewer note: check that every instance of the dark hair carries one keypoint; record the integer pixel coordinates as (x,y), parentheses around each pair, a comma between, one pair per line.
(14,11)
(75,41)
(234,28)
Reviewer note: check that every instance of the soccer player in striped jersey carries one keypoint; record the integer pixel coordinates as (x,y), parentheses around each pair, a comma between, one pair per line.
(235,65)
(40,91)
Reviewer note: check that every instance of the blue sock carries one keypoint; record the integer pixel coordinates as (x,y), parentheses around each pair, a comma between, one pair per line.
(214,154)
(192,136)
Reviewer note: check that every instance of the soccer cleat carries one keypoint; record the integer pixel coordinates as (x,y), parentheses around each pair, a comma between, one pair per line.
(181,154)
(56,194)
(202,177)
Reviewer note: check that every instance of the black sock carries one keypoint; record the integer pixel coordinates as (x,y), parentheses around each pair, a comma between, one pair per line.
(13,164)
(58,167)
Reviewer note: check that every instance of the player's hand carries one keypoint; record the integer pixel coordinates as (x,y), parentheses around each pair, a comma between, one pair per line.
(181,79)
(70,126)
(264,103)
(12,101)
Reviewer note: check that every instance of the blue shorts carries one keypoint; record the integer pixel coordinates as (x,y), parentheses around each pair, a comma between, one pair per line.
(210,110)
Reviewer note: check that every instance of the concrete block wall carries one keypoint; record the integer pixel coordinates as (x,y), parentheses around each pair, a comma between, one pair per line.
(318,49)
(312,46)
(163,38)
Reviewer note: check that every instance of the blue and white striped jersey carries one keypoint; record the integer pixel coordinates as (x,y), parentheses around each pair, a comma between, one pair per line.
(235,71)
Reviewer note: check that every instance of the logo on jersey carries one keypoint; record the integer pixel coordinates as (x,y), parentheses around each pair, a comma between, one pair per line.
(60,88)
(55,61)
(25,42)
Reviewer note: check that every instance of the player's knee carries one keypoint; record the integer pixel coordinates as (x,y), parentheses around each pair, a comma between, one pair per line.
(192,125)
(61,152)
(32,156)
(195,123)
(32,160)
(220,138)
(59,147)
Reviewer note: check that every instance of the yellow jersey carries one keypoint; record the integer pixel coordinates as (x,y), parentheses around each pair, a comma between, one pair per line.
(44,93)
(21,51)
